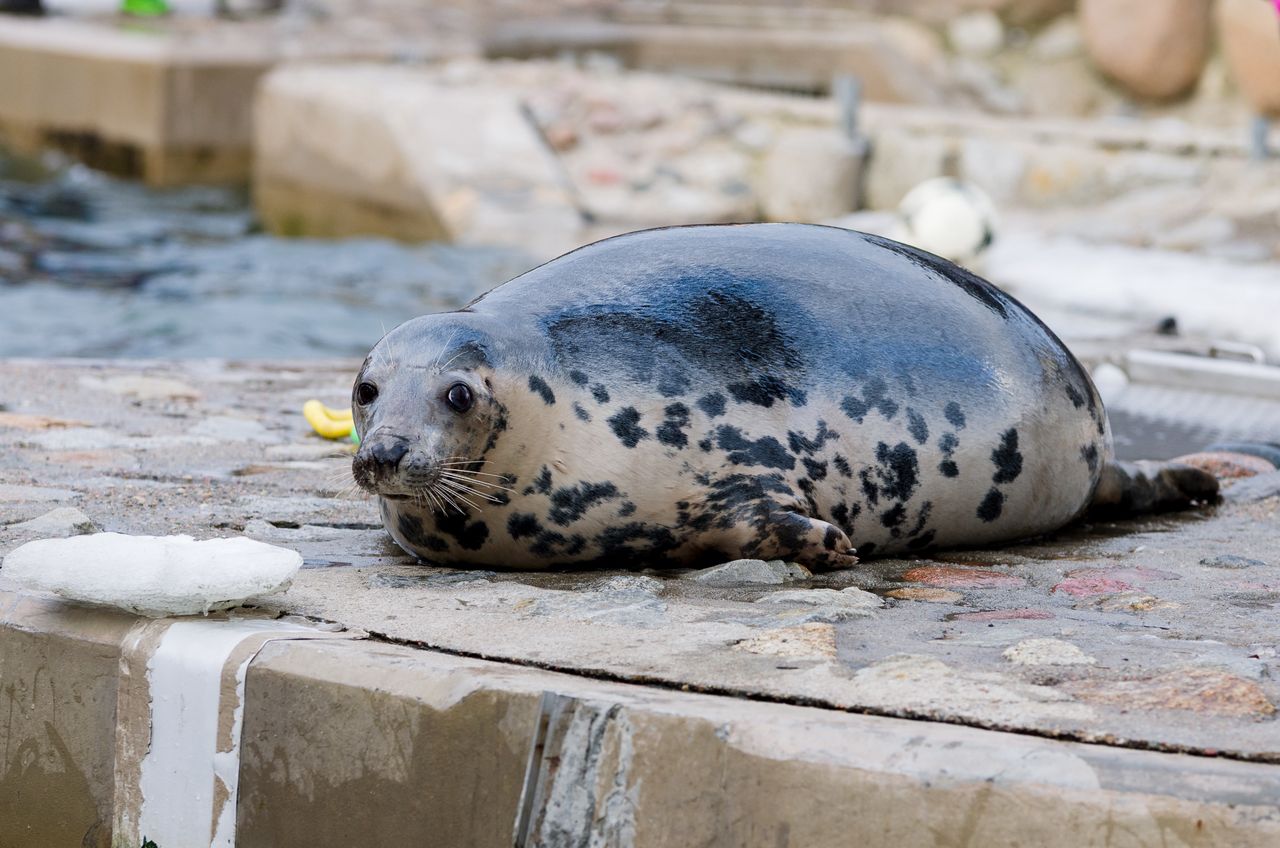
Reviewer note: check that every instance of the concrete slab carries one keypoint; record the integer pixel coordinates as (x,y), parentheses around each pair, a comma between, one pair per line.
(118,94)
(962,688)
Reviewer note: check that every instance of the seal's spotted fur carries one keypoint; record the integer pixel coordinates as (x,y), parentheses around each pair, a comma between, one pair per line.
(696,394)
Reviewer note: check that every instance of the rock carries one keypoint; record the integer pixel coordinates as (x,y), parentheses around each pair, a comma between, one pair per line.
(802,606)
(998,166)
(404,152)
(1154,48)
(1198,235)
(1227,466)
(1249,30)
(1059,87)
(810,174)
(1199,690)
(900,161)
(1231,561)
(1262,450)
(1036,652)
(976,33)
(954,577)
(933,596)
(1088,586)
(741,571)
(1061,39)
(1257,488)
(56,524)
(815,639)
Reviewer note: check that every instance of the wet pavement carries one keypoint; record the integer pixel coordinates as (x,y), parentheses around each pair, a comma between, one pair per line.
(1159,633)
(95,266)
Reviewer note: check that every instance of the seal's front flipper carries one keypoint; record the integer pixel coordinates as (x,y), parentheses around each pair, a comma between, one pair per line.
(811,542)
(1134,488)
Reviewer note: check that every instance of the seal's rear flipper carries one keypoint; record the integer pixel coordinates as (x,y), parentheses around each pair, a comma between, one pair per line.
(1133,488)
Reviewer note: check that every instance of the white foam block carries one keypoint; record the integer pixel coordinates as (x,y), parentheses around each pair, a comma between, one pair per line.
(153,575)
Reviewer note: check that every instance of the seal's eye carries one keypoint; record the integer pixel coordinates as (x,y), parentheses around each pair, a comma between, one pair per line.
(459,397)
(366,393)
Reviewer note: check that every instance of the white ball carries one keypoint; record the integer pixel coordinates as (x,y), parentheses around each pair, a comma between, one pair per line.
(949,217)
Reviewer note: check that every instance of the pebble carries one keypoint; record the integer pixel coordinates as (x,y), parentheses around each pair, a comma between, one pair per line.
(815,639)
(1034,652)
(742,571)
(1083,587)
(56,524)
(1231,561)
(1200,690)
(823,605)
(1022,614)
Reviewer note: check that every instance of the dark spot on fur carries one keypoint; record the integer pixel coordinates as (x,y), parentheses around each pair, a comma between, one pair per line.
(955,416)
(1007,460)
(627,508)
(415,534)
(763,391)
(712,404)
(844,516)
(671,431)
(470,536)
(800,443)
(582,414)
(830,538)
(898,471)
(992,505)
(1077,399)
(704,445)
(522,524)
(626,426)
(867,550)
(600,393)
(917,427)
(922,518)
(948,443)
(922,541)
(893,517)
(874,396)
(673,384)
(541,484)
(628,541)
(1090,455)
(842,466)
(537,386)
(578,377)
(816,470)
(571,503)
(869,488)
(948,468)
(765,451)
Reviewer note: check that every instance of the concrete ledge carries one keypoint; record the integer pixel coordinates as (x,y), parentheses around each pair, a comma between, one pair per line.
(370,743)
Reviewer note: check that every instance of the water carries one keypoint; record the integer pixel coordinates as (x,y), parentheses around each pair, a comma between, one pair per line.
(92,266)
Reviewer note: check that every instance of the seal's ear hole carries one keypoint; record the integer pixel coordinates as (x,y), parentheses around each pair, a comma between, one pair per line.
(366,393)
(459,397)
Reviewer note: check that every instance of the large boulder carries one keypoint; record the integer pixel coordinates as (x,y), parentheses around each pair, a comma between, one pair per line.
(1250,32)
(343,150)
(1154,48)
(811,174)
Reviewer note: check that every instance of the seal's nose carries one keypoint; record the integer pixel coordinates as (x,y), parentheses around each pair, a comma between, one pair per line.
(388,454)
(377,460)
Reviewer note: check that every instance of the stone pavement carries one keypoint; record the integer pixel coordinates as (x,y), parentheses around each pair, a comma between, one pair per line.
(1156,635)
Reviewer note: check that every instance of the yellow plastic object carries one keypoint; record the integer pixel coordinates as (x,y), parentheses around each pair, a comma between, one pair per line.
(330,423)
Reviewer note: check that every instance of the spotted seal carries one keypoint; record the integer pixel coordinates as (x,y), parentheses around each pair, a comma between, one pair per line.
(694,394)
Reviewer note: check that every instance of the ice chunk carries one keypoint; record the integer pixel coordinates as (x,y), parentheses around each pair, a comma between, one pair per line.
(153,575)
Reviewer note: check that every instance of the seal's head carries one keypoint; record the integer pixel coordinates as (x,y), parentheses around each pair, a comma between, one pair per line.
(425,410)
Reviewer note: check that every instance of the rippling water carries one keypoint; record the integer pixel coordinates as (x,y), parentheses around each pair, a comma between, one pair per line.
(94,266)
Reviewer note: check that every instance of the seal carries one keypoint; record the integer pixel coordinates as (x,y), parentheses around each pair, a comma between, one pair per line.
(695,394)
